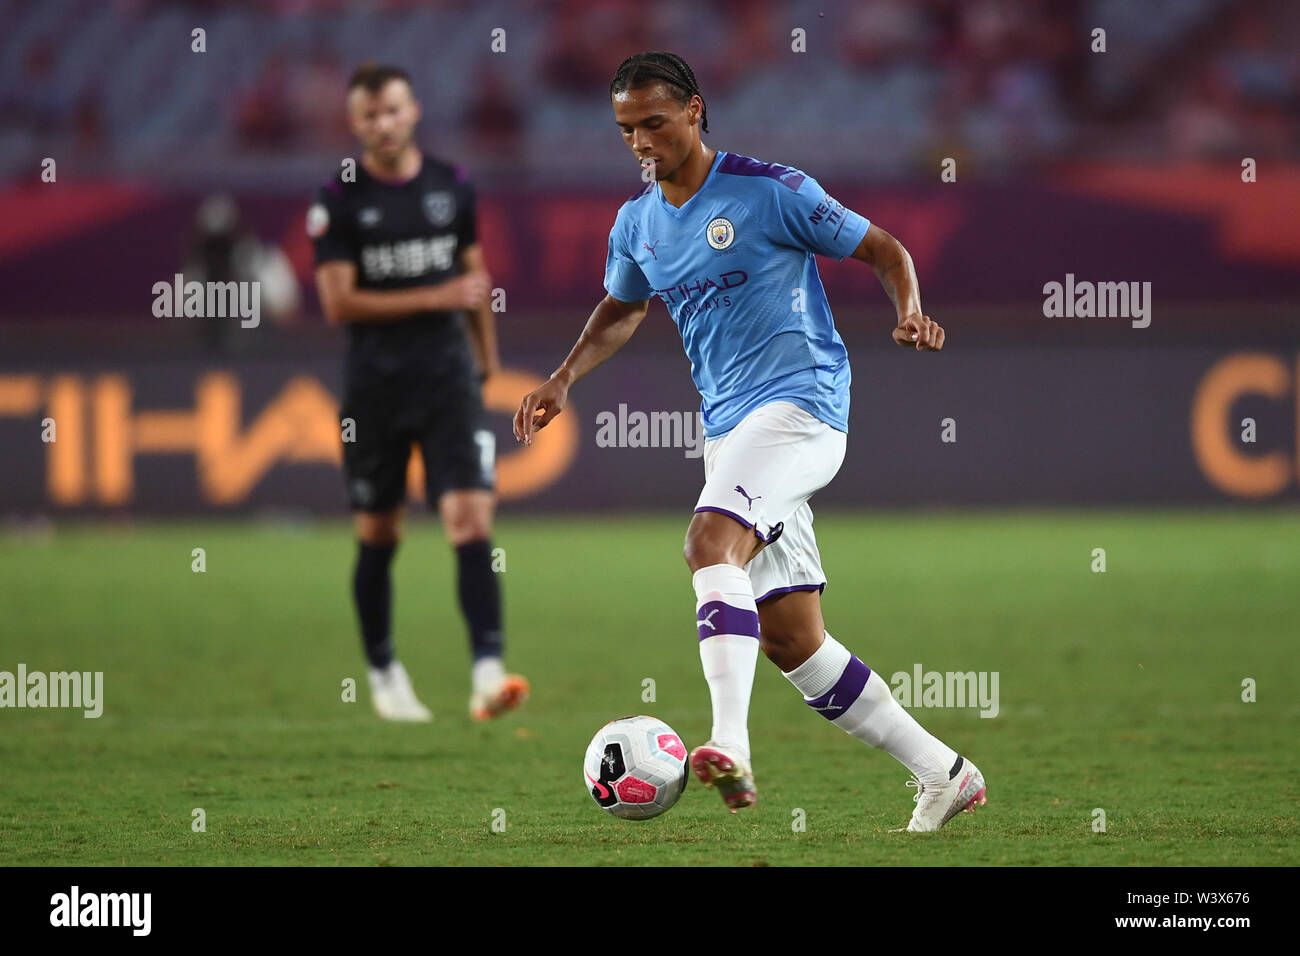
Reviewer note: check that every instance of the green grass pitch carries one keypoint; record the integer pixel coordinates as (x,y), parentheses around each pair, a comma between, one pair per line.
(223,691)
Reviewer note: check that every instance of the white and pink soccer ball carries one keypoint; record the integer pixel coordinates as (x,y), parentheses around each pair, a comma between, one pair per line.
(635,767)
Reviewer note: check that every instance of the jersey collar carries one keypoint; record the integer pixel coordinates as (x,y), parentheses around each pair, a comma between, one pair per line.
(398,183)
(678,213)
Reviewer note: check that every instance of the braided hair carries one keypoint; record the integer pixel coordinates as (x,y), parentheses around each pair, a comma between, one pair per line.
(658,67)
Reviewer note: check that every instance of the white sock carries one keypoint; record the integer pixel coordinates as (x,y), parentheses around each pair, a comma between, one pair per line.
(486,673)
(727,621)
(858,701)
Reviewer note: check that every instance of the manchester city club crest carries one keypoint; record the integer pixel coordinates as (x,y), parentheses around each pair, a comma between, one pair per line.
(721,233)
(439,208)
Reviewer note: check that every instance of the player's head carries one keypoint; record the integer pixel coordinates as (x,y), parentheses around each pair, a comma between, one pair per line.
(382,109)
(658,107)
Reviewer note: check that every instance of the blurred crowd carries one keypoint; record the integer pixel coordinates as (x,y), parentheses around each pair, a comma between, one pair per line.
(1245,98)
(885,85)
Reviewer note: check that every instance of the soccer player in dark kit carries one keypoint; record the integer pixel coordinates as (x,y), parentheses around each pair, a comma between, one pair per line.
(398,262)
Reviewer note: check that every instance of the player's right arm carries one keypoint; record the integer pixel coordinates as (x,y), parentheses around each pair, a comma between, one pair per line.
(610,326)
(804,216)
(342,301)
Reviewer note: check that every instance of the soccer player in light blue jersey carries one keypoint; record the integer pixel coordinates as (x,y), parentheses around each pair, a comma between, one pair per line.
(729,244)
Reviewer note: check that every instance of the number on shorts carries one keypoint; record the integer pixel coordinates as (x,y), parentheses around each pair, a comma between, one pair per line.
(487,447)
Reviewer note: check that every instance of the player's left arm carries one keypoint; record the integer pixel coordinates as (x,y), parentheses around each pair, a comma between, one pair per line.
(893,267)
(481,322)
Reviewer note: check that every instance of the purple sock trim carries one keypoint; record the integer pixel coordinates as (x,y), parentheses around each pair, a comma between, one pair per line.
(794,587)
(847,689)
(766,539)
(718,617)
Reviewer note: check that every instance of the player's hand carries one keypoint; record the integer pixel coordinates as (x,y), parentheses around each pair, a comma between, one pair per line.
(920,331)
(468,291)
(538,408)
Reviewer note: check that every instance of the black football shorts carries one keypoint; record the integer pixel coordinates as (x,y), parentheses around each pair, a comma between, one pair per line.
(445,417)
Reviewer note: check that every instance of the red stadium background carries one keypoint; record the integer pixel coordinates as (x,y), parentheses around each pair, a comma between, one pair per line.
(1175,165)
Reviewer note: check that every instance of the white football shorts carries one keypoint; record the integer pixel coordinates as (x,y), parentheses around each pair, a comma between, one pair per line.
(762,473)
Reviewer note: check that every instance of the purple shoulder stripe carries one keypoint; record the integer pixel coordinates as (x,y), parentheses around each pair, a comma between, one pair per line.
(744,166)
(334,186)
(640,192)
(461,175)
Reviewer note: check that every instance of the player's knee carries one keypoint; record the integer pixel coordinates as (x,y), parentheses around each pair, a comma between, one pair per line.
(468,531)
(701,551)
(776,645)
(787,648)
(466,516)
(466,524)
(704,548)
(378,528)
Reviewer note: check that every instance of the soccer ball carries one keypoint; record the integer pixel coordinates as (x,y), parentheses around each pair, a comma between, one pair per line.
(635,767)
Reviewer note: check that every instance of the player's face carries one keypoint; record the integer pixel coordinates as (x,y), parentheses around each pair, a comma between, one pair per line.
(384,122)
(656,127)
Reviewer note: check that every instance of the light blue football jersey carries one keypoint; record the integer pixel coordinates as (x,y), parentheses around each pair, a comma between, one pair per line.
(736,267)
